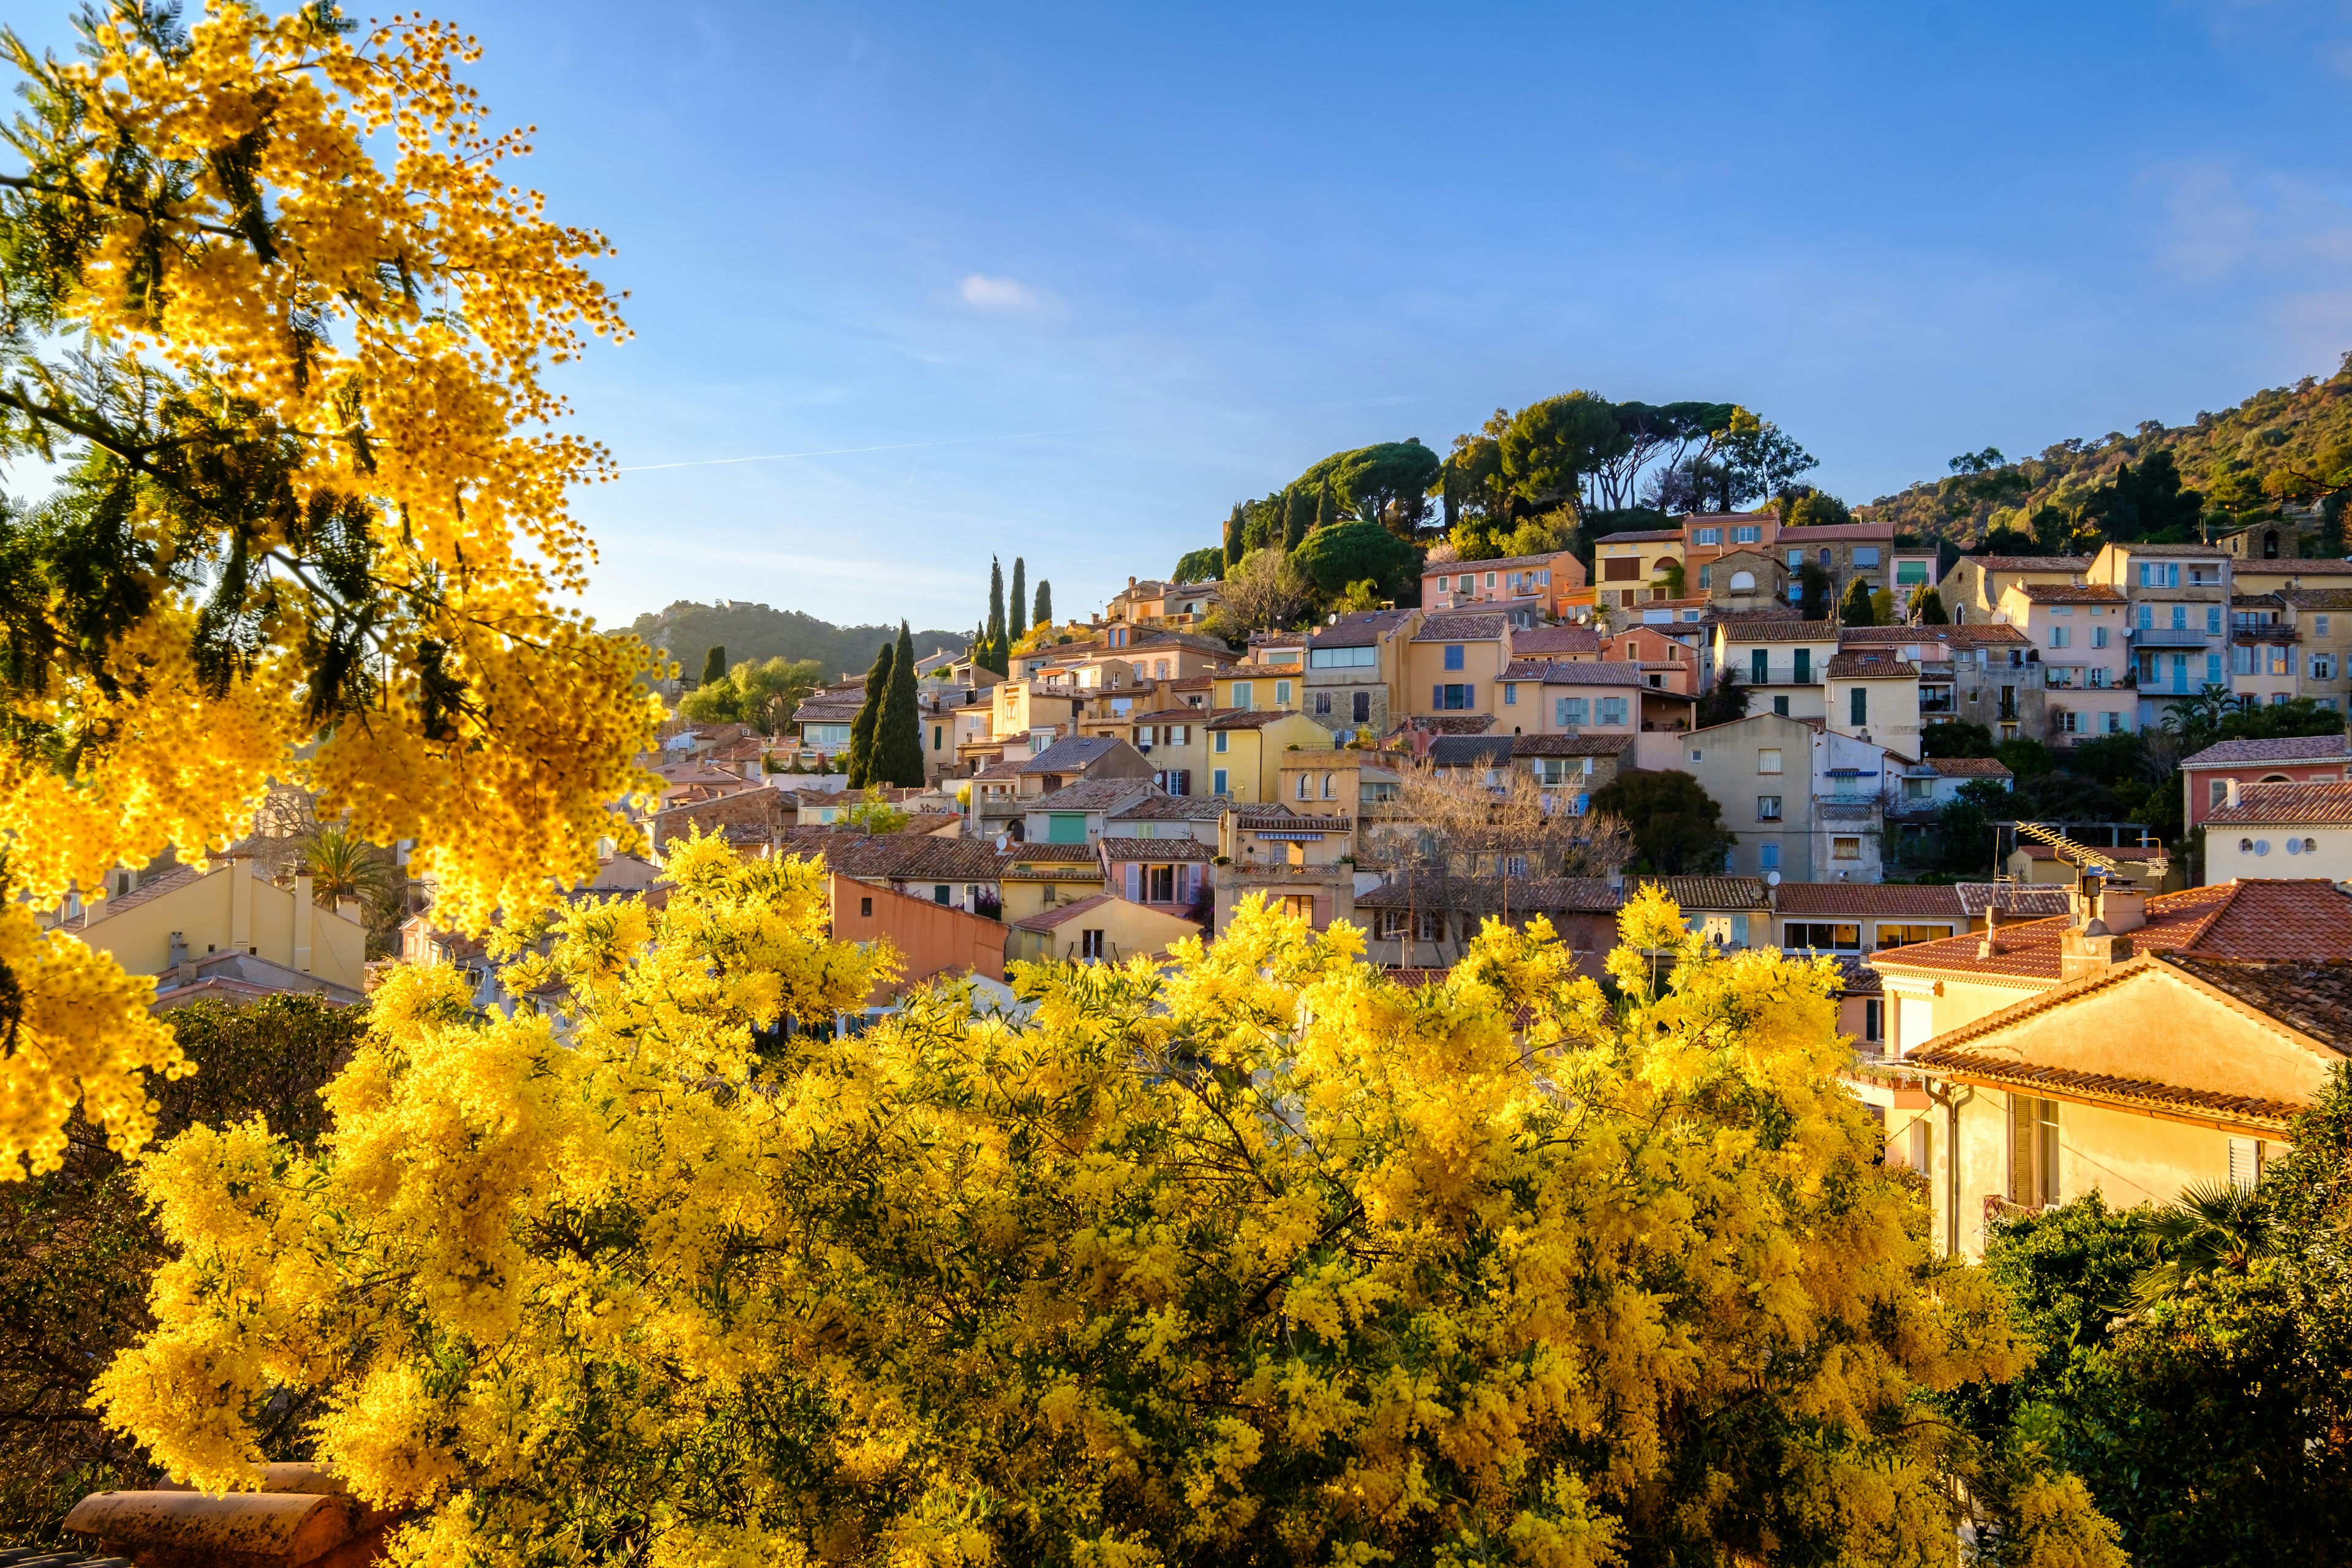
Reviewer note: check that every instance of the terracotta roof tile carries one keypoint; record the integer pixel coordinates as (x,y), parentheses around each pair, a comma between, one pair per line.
(1091,795)
(1764,629)
(1870,666)
(1046,920)
(1564,895)
(1965,767)
(1921,902)
(2323,568)
(1634,536)
(2258,920)
(2029,563)
(1570,746)
(1574,672)
(2315,998)
(2071,593)
(2103,1087)
(1119,847)
(1041,853)
(2034,900)
(2285,749)
(1448,723)
(1460,629)
(1538,641)
(1714,892)
(2286,805)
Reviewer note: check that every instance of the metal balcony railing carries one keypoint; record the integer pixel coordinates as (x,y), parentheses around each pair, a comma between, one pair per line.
(2170,637)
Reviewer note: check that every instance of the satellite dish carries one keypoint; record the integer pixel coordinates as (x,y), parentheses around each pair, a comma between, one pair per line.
(1771,879)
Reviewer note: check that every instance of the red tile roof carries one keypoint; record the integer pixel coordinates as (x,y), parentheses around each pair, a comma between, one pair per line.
(1574,672)
(1871,667)
(2285,749)
(1460,629)
(1967,767)
(2029,563)
(2071,593)
(2256,920)
(2286,805)
(1770,630)
(1924,902)
(1538,641)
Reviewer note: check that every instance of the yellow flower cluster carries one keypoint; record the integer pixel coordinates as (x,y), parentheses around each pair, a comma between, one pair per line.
(389,328)
(1253,1255)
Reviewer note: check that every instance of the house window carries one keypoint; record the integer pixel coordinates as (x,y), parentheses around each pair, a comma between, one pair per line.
(2212,669)
(1866,555)
(1160,669)
(2098,637)
(1217,780)
(1846,849)
(1874,1020)
(2323,667)
(1449,699)
(1220,745)
(1090,942)
(1858,702)
(1490,579)
(941,895)
(1162,884)
(2111,722)
(1610,711)
(1241,694)
(1322,705)
(1510,694)
(2245,1164)
(1363,708)
(1330,786)
(1781,705)
(2213,619)
(2032,1151)
(1567,712)
(1431,925)
(1282,694)
(2282,660)
(2159,574)
(1768,760)
(2319,625)
(1705,578)
(1802,665)
(1743,582)
(1768,858)
(1453,656)
(1823,936)
(1709,536)
(1306,787)
(938,737)
(2179,617)
(1906,935)
(1746,533)
(1759,666)
(1767,808)
(2058,636)
(865,909)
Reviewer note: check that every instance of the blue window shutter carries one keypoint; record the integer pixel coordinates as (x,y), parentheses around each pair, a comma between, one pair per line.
(1437,696)
(1469,695)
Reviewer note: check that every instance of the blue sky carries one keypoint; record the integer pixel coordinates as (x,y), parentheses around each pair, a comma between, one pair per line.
(1067,283)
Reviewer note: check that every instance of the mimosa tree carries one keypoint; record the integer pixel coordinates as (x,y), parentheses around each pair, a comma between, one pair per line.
(267,294)
(1253,1257)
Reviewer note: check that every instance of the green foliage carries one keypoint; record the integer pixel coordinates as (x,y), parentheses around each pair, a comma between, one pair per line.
(76,1248)
(2214,715)
(1964,836)
(2145,502)
(1548,446)
(1958,739)
(1234,549)
(2194,1358)
(1386,483)
(2025,758)
(1354,550)
(1677,826)
(1495,539)
(2285,444)
(763,695)
(898,754)
(872,813)
(862,729)
(1725,702)
(1043,615)
(1205,565)
(714,666)
(996,634)
(1928,606)
(1805,507)
(1856,609)
(1813,601)
(757,634)
(1881,605)
(2110,759)
(1017,608)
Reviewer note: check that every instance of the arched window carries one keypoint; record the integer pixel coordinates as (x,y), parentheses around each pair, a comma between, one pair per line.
(1305,785)
(2270,544)
(2274,778)
(1743,582)
(1330,789)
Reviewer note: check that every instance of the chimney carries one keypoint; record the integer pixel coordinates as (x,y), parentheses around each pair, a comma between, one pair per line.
(1991,942)
(2089,947)
(2230,792)
(2122,910)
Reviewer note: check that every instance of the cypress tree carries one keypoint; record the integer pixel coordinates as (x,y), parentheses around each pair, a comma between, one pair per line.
(1324,515)
(714,666)
(1234,549)
(861,728)
(1018,609)
(1045,615)
(898,726)
(1294,518)
(996,606)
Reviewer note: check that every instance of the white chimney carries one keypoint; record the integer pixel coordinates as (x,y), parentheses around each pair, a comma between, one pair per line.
(2230,795)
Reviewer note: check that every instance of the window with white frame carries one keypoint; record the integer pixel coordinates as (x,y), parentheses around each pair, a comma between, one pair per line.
(1767,759)
(2323,667)
(2032,1151)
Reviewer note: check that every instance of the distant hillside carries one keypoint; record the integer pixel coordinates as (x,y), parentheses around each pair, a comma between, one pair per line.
(2241,463)
(687,630)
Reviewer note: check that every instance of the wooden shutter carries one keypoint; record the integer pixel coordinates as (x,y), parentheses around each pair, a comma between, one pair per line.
(1135,882)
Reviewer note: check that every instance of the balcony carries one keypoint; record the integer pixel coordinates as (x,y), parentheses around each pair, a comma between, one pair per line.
(2170,637)
(1781,675)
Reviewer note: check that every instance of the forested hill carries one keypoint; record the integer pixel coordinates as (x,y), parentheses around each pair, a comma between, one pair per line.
(749,631)
(2284,445)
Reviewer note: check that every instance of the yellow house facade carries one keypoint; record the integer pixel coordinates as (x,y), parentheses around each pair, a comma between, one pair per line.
(1246,752)
(2135,1046)
(179,919)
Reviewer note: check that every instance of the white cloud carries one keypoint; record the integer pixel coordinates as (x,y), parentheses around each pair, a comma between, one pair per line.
(2221,220)
(984,293)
